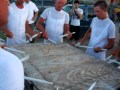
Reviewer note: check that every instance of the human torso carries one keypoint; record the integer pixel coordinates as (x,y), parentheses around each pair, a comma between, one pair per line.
(99,34)
(55,24)
(11,72)
(75,21)
(100,30)
(17,20)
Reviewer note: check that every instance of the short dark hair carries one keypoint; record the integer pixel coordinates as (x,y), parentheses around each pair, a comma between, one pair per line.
(76,1)
(102,4)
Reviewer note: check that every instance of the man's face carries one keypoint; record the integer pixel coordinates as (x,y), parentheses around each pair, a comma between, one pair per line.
(76,5)
(99,12)
(3,12)
(20,1)
(27,1)
(59,4)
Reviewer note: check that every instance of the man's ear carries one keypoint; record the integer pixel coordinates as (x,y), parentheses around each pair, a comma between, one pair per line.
(105,9)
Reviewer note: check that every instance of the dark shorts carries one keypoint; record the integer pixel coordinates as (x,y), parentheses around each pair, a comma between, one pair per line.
(75,29)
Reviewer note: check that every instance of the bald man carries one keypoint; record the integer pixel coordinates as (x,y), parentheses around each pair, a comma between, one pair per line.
(57,22)
(11,68)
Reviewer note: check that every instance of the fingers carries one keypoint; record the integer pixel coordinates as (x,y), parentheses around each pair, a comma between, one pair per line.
(69,35)
(97,49)
(2,46)
(45,35)
(9,34)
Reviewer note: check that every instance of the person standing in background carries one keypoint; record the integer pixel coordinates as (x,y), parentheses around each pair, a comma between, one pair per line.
(33,11)
(75,14)
(33,14)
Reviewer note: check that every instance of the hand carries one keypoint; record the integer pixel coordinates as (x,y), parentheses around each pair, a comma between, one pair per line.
(8,33)
(33,19)
(2,46)
(38,34)
(69,35)
(114,53)
(97,49)
(81,41)
(45,35)
(71,12)
(28,35)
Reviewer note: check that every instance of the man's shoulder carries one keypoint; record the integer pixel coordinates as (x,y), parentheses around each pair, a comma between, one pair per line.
(95,18)
(65,12)
(32,3)
(12,4)
(49,9)
(80,9)
(109,21)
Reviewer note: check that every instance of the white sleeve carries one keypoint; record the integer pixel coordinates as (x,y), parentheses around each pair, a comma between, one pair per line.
(35,8)
(67,18)
(92,23)
(45,13)
(28,16)
(80,11)
(111,31)
(9,9)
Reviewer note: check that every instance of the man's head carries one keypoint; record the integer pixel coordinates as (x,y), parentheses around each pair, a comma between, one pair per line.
(76,4)
(100,8)
(27,1)
(59,4)
(20,1)
(3,12)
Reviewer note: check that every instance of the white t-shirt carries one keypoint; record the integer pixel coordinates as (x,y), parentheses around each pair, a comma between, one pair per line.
(11,72)
(16,24)
(55,21)
(102,30)
(31,8)
(74,20)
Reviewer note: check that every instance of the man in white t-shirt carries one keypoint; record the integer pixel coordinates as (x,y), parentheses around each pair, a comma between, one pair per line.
(33,11)
(102,31)
(76,14)
(18,23)
(11,68)
(57,22)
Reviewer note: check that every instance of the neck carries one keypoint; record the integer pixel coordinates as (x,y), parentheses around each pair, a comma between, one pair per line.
(104,16)
(19,5)
(57,9)
(28,2)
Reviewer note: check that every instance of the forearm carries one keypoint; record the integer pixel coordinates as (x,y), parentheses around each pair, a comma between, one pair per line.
(109,45)
(80,16)
(4,29)
(87,35)
(29,30)
(66,28)
(70,13)
(35,16)
(40,27)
